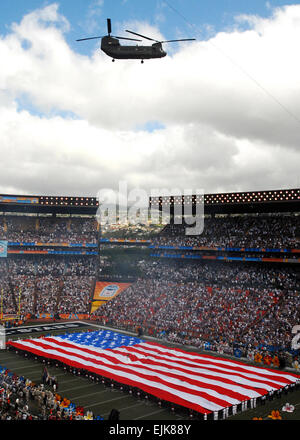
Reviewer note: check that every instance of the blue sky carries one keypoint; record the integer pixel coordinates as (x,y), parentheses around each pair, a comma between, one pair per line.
(221,113)
(171,16)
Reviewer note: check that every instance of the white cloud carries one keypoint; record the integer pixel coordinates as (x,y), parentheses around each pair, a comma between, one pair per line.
(90,23)
(229,108)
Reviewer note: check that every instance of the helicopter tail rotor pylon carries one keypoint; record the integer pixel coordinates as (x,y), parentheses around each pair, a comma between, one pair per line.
(108,34)
(109,26)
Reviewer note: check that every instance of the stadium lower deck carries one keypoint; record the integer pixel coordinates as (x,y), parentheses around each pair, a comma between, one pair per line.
(100,398)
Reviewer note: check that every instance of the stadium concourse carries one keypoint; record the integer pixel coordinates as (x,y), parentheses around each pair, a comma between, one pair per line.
(224,301)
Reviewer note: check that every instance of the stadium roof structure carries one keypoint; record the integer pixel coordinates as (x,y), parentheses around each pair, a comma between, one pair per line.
(283,200)
(48,204)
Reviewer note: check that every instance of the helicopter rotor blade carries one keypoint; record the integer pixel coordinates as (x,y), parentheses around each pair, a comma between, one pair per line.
(143,36)
(109,26)
(90,38)
(184,39)
(125,38)
(167,41)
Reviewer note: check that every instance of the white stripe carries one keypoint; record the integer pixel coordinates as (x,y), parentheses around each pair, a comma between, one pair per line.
(140,366)
(167,378)
(251,380)
(160,372)
(247,368)
(215,360)
(190,356)
(188,397)
(234,377)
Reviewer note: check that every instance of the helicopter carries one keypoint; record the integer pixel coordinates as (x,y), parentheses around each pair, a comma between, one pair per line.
(111,46)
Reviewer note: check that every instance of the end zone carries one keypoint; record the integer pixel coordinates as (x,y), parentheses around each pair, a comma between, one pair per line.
(45,327)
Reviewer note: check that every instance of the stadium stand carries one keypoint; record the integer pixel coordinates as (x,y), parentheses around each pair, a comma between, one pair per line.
(273,231)
(234,289)
(21,399)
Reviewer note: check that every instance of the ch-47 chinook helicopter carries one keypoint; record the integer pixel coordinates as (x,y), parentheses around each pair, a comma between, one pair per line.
(111,46)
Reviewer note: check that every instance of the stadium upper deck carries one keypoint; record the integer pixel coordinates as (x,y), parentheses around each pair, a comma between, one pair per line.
(48,204)
(258,223)
(284,200)
(70,222)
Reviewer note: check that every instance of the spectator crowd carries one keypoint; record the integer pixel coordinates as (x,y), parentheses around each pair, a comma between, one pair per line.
(22,399)
(193,313)
(48,230)
(47,285)
(274,231)
(188,302)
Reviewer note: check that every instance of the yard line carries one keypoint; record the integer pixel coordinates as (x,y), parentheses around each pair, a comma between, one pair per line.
(86,395)
(74,388)
(11,358)
(18,367)
(180,417)
(17,361)
(60,374)
(105,401)
(126,407)
(67,382)
(150,414)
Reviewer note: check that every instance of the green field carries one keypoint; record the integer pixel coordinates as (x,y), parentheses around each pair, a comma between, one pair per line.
(101,399)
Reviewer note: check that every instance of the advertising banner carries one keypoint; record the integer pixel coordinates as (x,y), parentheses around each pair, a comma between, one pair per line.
(19,199)
(105,291)
(3,249)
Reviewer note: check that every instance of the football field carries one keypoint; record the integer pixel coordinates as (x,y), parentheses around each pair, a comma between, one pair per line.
(101,398)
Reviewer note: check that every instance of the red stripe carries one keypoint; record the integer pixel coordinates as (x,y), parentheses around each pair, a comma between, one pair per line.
(123,368)
(216,370)
(212,358)
(160,359)
(148,362)
(218,388)
(166,359)
(198,383)
(161,394)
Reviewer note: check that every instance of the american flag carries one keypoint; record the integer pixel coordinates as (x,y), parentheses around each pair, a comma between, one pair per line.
(200,382)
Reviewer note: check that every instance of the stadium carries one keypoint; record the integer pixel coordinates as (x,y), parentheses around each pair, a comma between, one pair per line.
(149,216)
(167,326)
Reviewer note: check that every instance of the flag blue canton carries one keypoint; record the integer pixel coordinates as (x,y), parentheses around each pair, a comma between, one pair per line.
(102,339)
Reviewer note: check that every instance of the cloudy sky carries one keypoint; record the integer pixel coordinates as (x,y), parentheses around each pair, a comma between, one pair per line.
(218,114)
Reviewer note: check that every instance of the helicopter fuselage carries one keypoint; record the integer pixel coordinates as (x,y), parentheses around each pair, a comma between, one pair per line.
(112,47)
